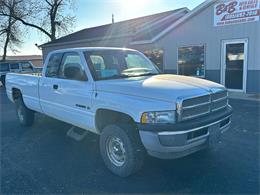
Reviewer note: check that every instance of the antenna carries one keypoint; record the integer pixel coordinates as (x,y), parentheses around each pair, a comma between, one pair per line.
(113,20)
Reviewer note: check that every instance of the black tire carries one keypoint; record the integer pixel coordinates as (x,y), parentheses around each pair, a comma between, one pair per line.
(3,80)
(134,150)
(25,115)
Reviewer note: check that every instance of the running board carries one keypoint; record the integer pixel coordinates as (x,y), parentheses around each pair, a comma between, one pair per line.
(76,133)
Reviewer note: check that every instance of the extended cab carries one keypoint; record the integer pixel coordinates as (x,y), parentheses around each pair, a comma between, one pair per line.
(120,95)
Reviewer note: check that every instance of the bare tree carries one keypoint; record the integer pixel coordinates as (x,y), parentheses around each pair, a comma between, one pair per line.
(51,17)
(9,29)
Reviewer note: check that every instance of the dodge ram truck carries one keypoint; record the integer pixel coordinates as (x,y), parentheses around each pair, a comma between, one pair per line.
(122,96)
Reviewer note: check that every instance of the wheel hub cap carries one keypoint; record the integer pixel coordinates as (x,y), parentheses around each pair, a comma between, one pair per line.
(116,151)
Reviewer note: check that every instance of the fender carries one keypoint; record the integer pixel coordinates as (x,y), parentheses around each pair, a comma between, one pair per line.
(130,105)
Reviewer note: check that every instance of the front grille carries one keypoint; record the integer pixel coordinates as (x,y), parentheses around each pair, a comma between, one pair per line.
(219,100)
(219,95)
(202,105)
(195,111)
(196,101)
(219,105)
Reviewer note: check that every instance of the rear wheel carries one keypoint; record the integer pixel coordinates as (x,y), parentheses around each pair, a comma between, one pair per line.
(121,149)
(25,115)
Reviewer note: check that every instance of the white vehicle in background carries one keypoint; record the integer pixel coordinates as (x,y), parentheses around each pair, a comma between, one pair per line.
(16,67)
(121,96)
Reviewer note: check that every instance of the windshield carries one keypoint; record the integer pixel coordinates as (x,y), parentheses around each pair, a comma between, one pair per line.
(113,64)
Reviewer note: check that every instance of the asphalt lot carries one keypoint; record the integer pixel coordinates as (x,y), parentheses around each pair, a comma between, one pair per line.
(42,159)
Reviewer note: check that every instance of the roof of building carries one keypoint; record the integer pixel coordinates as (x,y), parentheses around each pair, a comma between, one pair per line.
(177,23)
(155,29)
(23,57)
(141,28)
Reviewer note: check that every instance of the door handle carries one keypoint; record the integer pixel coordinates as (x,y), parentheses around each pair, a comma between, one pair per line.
(55,86)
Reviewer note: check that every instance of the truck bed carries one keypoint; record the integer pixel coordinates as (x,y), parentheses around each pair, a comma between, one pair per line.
(28,84)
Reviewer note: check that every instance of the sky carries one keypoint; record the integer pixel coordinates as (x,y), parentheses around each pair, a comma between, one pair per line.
(91,13)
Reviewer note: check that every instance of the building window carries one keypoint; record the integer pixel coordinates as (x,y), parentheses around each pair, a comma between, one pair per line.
(191,61)
(156,56)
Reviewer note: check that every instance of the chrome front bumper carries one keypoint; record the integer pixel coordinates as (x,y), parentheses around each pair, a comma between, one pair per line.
(176,144)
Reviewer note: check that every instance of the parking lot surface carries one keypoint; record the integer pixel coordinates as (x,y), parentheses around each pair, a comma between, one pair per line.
(42,159)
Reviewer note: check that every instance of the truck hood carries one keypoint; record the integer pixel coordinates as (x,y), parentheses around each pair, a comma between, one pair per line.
(165,87)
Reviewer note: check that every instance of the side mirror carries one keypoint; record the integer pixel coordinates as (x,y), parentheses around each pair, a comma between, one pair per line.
(74,72)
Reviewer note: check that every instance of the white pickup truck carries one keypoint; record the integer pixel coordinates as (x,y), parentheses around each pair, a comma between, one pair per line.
(121,96)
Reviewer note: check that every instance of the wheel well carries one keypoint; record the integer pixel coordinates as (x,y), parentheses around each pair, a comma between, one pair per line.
(3,78)
(105,117)
(16,93)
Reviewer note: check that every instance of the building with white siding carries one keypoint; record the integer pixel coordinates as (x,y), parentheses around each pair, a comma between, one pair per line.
(218,40)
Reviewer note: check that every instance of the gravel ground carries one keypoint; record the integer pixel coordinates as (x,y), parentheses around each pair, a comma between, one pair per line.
(42,159)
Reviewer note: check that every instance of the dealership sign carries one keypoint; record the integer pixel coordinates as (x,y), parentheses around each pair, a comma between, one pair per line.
(236,12)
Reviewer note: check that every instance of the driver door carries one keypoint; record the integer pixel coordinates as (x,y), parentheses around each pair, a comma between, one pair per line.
(66,97)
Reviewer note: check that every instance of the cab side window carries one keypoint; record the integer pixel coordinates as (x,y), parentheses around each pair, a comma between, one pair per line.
(71,67)
(53,65)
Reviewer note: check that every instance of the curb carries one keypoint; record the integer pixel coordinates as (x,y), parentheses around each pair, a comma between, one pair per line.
(243,96)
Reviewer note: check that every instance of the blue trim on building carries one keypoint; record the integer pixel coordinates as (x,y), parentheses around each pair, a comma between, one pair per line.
(253,78)
(170,71)
(213,75)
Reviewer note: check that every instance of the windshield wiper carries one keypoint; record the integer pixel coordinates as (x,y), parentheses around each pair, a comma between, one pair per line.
(122,76)
(115,77)
(144,74)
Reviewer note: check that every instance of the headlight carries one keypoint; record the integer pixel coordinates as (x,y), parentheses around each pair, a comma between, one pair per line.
(158,117)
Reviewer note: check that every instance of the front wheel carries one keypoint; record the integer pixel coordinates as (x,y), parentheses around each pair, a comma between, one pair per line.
(25,115)
(121,149)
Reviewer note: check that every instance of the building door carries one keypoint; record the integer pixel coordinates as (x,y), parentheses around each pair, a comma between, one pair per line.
(234,64)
